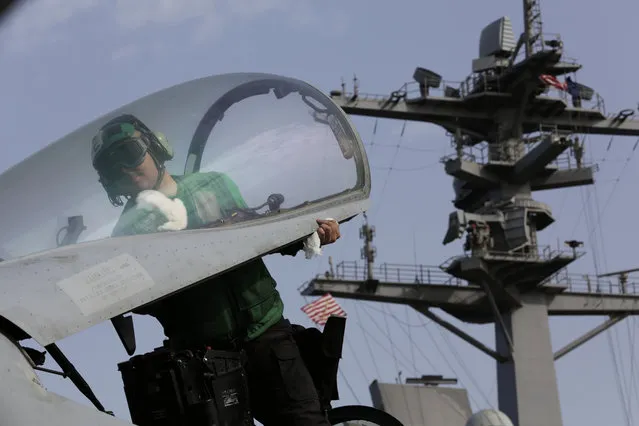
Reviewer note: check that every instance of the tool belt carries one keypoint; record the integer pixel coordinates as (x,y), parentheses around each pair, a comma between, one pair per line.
(187,388)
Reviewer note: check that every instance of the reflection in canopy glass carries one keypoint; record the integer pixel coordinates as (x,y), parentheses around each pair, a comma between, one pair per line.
(236,148)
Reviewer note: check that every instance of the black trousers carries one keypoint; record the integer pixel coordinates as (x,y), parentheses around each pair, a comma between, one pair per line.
(281,389)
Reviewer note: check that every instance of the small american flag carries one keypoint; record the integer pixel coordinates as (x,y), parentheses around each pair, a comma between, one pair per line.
(319,310)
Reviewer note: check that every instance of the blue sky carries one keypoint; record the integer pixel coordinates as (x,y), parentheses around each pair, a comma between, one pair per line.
(66,62)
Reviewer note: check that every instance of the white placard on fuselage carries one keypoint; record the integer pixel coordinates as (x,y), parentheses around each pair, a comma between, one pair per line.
(106,283)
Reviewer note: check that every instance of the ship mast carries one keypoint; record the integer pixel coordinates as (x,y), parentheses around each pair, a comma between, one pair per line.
(532,27)
(511,137)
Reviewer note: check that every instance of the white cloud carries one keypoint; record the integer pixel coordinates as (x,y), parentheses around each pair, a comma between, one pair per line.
(37,21)
(249,8)
(339,23)
(136,14)
(45,21)
(124,52)
(208,17)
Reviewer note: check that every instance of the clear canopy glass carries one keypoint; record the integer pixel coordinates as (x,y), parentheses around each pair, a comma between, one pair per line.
(242,147)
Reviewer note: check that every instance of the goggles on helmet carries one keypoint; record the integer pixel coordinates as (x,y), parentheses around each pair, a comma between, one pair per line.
(127,153)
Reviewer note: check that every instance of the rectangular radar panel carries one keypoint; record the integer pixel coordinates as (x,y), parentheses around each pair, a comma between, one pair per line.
(497,39)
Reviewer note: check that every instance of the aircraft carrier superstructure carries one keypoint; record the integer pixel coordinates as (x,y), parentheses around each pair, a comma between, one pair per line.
(516,125)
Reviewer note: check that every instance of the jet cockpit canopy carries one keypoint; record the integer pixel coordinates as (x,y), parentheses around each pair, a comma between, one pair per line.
(256,159)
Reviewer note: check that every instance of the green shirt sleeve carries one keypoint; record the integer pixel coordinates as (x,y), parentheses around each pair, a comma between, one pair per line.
(232,192)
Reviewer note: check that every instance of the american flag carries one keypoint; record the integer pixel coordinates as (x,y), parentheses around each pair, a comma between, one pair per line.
(550,80)
(319,310)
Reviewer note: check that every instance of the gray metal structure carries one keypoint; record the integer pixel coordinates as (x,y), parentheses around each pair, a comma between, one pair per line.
(512,136)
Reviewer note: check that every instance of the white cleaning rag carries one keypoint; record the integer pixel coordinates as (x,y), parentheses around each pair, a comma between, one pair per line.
(174,210)
(312,245)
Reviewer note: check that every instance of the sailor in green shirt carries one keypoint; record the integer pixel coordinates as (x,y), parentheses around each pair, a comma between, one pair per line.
(242,307)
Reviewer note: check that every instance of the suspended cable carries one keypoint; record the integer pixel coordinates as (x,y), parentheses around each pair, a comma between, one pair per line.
(403,147)
(349,343)
(400,321)
(374,131)
(416,346)
(462,364)
(612,192)
(610,334)
(387,335)
(390,339)
(632,378)
(406,310)
(370,350)
(405,169)
(592,224)
(348,236)
(412,356)
(628,380)
(390,170)
(452,369)
(349,385)
(615,335)
(419,350)
(401,362)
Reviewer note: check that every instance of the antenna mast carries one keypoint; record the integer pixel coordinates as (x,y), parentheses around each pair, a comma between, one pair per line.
(367,233)
(513,127)
(532,27)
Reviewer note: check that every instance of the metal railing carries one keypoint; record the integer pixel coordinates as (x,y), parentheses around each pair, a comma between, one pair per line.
(408,90)
(540,46)
(567,160)
(584,283)
(542,253)
(597,102)
(392,272)
(477,83)
(433,275)
(480,153)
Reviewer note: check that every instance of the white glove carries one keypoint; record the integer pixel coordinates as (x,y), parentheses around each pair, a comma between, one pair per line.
(174,210)
(312,245)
